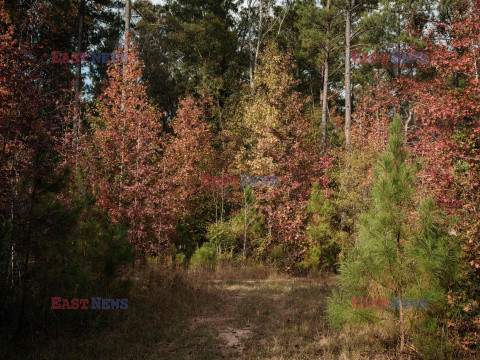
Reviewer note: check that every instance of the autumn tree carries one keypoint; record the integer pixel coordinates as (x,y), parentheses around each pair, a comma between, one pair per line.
(274,138)
(445,103)
(122,154)
(189,155)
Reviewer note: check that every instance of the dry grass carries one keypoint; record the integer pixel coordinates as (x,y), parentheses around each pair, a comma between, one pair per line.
(228,271)
(234,313)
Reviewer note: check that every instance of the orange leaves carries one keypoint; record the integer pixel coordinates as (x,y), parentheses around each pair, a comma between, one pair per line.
(121,156)
(189,153)
(274,136)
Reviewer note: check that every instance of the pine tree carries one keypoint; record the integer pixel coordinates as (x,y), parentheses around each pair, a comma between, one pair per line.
(323,247)
(397,253)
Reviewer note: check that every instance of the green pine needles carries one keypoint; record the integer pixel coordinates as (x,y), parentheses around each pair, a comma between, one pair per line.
(400,251)
(323,248)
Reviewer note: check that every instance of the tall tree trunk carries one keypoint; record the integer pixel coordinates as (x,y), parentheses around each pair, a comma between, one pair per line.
(348,105)
(259,36)
(127,22)
(245,223)
(127,44)
(325,87)
(161,212)
(78,81)
(250,44)
(253,68)
(348,84)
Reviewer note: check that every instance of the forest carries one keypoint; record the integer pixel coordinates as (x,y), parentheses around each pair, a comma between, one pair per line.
(240,179)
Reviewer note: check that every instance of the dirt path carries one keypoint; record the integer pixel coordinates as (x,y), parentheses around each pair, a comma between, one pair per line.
(277,318)
(235,323)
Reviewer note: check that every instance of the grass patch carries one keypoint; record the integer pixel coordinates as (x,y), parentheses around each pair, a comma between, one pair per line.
(160,303)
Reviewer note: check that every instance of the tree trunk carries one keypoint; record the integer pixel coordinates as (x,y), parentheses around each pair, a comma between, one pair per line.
(407,122)
(259,40)
(250,44)
(475,61)
(78,81)
(127,42)
(245,224)
(325,88)
(161,212)
(348,85)
(402,327)
(127,22)
(348,105)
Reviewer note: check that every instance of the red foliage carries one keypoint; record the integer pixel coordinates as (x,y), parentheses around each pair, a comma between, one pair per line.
(370,124)
(27,133)
(189,153)
(123,154)
(448,108)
